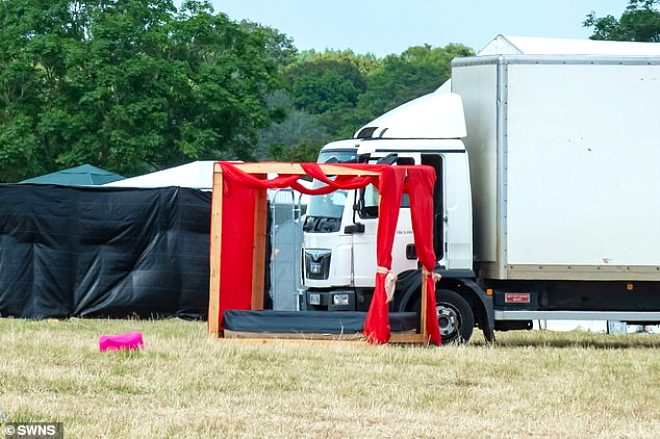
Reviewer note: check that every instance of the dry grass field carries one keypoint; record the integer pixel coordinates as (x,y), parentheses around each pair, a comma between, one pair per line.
(533,384)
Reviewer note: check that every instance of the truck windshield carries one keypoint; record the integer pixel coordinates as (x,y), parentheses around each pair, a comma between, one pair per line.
(330,205)
(324,211)
(338,156)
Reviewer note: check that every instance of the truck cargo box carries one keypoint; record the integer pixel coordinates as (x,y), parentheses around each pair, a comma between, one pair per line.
(565,162)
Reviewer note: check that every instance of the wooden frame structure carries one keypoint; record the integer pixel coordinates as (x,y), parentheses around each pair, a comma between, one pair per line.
(261,170)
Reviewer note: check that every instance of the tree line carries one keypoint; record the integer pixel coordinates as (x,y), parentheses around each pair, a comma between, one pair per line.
(134,86)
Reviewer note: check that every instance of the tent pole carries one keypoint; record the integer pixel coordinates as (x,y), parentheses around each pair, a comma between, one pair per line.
(216,250)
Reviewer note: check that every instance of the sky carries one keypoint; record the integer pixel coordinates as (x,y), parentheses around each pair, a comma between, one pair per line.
(383,27)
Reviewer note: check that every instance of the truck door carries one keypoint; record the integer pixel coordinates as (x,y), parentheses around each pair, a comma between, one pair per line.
(439,230)
(404,256)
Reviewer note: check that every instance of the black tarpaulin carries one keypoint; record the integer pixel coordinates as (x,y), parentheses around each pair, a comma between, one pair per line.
(103,252)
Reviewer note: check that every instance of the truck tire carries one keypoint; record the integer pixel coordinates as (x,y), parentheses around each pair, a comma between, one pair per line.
(455,317)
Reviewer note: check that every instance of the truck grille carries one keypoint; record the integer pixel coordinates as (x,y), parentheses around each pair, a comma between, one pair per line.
(317,263)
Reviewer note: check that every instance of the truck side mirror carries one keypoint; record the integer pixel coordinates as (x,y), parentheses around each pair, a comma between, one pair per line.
(354,228)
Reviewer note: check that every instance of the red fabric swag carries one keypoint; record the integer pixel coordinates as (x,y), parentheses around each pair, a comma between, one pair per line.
(421,212)
(377,322)
(418,182)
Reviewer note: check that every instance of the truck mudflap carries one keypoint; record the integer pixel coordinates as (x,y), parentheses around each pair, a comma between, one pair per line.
(460,281)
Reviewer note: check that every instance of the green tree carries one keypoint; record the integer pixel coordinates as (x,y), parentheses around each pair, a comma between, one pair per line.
(298,137)
(342,91)
(364,63)
(278,47)
(130,85)
(32,40)
(417,71)
(639,22)
(320,85)
(324,88)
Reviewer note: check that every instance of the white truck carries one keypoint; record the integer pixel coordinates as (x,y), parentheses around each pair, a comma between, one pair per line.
(547,201)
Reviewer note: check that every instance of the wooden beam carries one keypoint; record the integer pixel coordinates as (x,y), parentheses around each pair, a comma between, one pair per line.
(259,249)
(215,253)
(297,169)
(407,337)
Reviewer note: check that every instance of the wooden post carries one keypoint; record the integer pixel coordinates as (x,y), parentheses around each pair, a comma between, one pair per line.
(423,330)
(259,249)
(215,252)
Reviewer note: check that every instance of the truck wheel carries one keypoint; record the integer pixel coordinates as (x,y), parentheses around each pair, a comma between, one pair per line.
(455,317)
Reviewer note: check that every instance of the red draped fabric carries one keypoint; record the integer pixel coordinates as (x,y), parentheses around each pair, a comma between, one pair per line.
(418,182)
(377,322)
(238,231)
(421,212)
(235,175)
(238,205)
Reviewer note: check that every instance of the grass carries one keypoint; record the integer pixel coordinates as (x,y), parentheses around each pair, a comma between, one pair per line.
(530,384)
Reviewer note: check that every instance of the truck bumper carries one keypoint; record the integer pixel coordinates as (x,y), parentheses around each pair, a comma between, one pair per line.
(335,300)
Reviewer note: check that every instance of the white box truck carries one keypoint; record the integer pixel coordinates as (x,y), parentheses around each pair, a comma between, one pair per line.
(547,203)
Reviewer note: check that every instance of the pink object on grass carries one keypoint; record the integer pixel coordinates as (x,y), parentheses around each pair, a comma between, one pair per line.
(129,341)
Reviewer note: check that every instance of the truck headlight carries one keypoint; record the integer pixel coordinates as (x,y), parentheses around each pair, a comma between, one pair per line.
(314,299)
(340,299)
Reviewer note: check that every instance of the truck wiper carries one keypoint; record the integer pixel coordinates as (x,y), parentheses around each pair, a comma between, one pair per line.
(323,224)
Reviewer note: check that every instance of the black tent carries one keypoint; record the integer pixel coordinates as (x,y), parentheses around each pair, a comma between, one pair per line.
(112,252)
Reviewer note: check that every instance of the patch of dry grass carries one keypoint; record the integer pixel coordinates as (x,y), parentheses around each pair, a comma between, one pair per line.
(535,384)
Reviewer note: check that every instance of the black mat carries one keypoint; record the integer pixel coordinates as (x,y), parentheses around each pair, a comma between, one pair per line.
(311,322)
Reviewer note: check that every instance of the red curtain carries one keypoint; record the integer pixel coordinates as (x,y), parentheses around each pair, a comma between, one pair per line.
(418,182)
(421,211)
(377,322)
(238,204)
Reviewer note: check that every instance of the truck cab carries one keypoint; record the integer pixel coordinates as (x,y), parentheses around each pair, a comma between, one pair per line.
(340,228)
